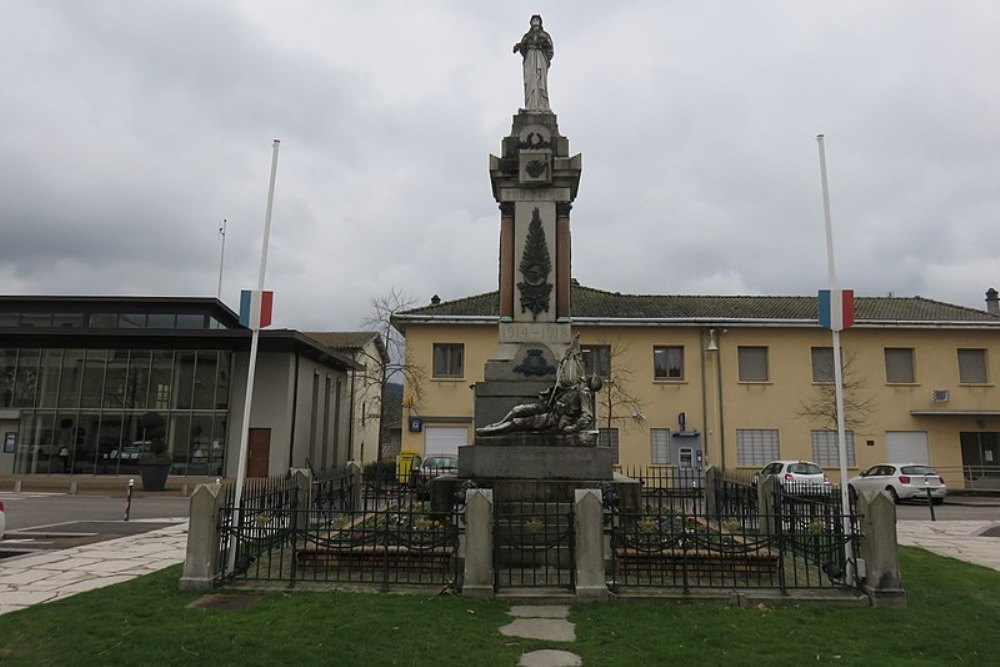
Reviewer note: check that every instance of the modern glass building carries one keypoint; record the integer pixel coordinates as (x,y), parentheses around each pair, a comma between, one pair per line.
(83,380)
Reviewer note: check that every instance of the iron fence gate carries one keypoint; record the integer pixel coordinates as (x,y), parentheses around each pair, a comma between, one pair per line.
(534,545)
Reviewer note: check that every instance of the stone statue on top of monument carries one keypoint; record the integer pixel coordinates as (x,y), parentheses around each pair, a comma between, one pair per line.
(536,50)
(567,407)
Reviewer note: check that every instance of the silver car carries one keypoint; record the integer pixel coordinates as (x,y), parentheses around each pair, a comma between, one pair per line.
(902,481)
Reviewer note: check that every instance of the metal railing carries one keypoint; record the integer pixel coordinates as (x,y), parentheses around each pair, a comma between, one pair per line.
(534,545)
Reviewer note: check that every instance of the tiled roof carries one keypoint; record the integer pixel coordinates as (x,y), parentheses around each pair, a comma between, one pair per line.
(590,303)
(342,340)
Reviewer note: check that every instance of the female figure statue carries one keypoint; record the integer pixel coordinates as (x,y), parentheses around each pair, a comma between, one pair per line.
(536,50)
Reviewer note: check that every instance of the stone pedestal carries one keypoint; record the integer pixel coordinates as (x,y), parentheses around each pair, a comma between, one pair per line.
(535,462)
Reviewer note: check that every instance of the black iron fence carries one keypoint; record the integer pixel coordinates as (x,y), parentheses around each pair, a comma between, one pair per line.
(534,545)
(658,483)
(797,543)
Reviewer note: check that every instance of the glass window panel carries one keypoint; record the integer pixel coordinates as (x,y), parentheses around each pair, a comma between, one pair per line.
(752,364)
(35,443)
(8,370)
(71,378)
(36,320)
(756,446)
(972,366)
(201,445)
(132,321)
(825,451)
(217,449)
(659,444)
(160,321)
(85,443)
(179,443)
(899,364)
(448,359)
(183,379)
(668,363)
(26,378)
(597,359)
(103,320)
(159,380)
(115,379)
(189,321)
(608,437)
(822,364)
(93,379)
(222,381)
(204,380)
(48,378)
(109,443)
(67,320)
(137,382)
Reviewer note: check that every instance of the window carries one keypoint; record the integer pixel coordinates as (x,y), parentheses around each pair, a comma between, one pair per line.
(608,437)
(753,364)
(899,365)
(756,446)
(972,366)
(448,360)
(668,363)
(659,445)
(822,364)
(824,448)
(597,359)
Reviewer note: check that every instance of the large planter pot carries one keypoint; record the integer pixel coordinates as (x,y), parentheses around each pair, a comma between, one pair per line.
(154,475)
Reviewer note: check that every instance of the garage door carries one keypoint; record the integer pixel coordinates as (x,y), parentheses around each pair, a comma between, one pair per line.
(907,447)
(444,439)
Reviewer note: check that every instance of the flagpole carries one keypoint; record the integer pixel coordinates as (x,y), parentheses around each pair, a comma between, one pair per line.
(241,469)
(222,257)
(838,375)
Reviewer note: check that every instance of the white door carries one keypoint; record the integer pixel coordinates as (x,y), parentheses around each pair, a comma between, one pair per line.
(444,439)
(907,447)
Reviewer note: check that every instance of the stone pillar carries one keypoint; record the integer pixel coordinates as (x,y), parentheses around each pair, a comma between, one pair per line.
(202,558)
(564,270)
(588,511)
(879,550)
(767,489)
(713,478)
(478,579)
(356,474)
(302,477)
(506,261)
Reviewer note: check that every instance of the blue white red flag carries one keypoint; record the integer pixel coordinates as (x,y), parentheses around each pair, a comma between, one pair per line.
(836,309)
(255,308)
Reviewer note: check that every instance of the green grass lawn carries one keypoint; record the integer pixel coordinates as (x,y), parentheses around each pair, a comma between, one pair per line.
(953,617)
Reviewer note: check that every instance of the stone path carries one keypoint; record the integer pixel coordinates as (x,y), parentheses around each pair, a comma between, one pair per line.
(53,575)
(547,623)
(963,540)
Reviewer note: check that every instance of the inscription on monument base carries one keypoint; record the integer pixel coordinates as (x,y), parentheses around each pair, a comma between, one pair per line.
(541,332)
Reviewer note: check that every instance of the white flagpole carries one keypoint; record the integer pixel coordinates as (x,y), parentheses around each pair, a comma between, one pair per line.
(241,469)
(838,376)
(222,257)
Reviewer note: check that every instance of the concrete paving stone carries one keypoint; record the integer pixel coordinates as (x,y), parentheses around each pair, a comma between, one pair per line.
(540,611)
(111,566)
(545,629)
(21,577)
(550,657)
(27,598)
(35,560)
(8,608)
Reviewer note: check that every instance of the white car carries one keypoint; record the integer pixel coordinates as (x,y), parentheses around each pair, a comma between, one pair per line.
(902,481)
(794,473)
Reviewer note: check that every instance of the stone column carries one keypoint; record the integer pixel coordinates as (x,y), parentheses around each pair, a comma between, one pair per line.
(588,512)
(713,478)
(564,271)
(767,488)
(879,550)
(478,579)
(507,260)
(202,558)
(356,474)
(303,482)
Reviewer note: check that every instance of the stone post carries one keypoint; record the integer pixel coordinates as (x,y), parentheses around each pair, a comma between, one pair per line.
(879,550)
(767,490)
(478,579)
(202,558)
(354,470)
(591,584)
(713,476)
(302,477)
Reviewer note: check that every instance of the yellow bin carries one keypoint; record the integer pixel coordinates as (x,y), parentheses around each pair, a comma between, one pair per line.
(406,461)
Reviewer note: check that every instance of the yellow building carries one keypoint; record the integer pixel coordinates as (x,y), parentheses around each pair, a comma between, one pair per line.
(737,381)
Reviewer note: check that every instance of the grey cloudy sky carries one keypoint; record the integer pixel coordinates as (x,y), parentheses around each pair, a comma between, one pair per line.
(128,130)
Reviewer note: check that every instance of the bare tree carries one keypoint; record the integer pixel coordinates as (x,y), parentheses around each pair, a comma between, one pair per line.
(617,405)
(821,406)
(395,367)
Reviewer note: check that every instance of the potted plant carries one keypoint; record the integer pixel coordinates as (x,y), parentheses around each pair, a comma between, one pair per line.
(154,464)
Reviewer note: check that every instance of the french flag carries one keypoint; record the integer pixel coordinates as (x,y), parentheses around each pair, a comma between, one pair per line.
(836,309)
(255,308)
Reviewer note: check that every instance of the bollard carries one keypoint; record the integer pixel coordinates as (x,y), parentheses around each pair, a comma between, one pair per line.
(128,498)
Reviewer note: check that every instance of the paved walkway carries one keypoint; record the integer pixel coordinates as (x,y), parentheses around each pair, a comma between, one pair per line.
(548,623)
(958,539)
(53,575)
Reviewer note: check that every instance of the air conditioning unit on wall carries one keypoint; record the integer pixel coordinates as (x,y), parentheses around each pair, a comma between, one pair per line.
(941,395)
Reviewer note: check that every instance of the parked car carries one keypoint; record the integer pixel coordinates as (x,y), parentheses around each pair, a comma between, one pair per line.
(432,466)
(902,481)
(794,473)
